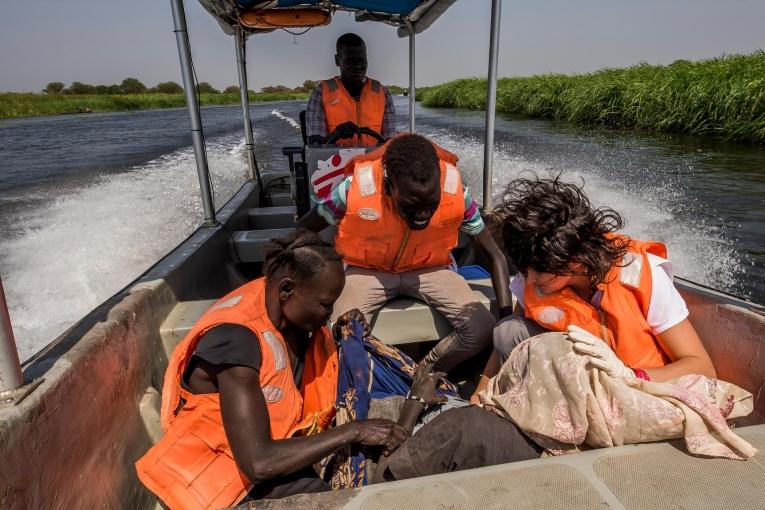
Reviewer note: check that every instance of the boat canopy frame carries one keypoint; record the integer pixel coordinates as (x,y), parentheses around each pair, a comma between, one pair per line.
(409,16)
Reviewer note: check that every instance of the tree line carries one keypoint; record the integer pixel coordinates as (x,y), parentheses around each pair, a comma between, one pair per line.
(134,86)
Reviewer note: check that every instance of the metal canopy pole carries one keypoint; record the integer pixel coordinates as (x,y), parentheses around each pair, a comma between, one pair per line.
(184,53)
(491,104)
(410,27)
(10,368)
(241,61)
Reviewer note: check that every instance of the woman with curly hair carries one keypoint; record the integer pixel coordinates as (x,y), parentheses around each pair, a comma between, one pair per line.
(249,394)
(613,295)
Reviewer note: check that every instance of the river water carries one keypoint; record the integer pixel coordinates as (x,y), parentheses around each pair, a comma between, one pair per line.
(88,202)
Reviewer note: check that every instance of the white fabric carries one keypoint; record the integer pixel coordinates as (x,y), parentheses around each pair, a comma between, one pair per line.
(667,307)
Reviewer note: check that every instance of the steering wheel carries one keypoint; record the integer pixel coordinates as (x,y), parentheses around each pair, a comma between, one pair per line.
(334,137)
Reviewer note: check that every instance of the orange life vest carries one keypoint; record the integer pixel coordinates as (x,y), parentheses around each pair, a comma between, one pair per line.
(192,466)
(340,107)
(621,322)
(372,234)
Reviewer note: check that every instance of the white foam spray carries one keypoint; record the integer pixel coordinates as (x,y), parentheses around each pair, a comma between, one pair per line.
(700,252)
(281,115)
(83,247)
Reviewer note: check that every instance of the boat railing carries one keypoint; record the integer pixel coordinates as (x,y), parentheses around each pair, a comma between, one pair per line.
(11,378)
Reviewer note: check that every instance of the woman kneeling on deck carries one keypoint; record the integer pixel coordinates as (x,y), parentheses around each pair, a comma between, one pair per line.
(250,391)
(612,303)
(612,295)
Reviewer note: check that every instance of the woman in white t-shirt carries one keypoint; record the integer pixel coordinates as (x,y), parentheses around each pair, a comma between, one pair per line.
(612,294)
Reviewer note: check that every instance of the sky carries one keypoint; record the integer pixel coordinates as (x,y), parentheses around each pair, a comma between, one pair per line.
(105,41)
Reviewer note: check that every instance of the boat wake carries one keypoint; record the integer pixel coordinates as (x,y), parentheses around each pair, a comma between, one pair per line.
(281,115)
(659,211)
(65,257)
(69,256)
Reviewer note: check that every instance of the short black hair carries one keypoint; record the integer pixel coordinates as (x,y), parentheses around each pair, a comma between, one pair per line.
(298,255)
(548,224)
(412,156)
(349,40)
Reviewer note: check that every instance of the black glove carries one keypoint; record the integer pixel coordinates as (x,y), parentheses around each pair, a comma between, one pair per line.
(346,130)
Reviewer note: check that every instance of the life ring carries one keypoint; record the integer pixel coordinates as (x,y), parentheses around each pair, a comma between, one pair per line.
(269,19)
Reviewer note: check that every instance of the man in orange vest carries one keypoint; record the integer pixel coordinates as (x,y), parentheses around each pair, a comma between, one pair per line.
(343,104)
(398,217)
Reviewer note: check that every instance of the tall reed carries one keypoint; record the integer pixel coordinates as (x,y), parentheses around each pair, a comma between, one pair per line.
(723,97)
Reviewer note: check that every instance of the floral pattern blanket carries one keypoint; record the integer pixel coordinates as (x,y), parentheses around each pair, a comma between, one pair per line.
(565,405)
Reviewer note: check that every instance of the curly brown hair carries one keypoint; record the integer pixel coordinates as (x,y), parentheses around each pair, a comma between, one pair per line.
(299,255)
(548,225)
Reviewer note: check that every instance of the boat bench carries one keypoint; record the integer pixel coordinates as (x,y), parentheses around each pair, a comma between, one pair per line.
(400,321)
(263,224)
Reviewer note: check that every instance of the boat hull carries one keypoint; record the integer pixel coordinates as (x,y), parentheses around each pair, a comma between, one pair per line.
(73,441)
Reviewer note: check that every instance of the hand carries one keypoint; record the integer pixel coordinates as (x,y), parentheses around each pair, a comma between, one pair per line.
(345,319)
(375,432)
(601,355)
(474,400)
(398,435)
(424,384)
(346,130)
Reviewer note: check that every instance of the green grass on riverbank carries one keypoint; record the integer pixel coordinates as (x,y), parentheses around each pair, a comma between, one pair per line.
(722,97)
(23,105)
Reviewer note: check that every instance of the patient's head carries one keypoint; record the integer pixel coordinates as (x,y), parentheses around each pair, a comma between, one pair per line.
(549,227)
(308,274)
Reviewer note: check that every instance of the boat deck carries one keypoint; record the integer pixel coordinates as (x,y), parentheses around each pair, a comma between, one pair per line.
(657,476)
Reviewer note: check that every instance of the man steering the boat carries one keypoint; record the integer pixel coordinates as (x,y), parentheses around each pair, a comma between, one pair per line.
(340,106)
(398,215)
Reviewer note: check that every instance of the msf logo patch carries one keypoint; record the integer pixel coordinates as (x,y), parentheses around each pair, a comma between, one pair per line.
(369,214)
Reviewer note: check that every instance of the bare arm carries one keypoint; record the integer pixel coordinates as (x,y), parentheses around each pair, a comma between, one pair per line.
(499,271)
(492,365)
(423,387)
(312,221)
(248,430)
(683,345)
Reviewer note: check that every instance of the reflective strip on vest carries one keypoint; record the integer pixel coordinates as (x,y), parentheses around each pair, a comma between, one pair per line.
(452,179)
(632,268)
(277,351)
(366,179)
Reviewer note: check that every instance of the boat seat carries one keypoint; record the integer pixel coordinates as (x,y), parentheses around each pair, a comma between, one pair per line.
(406,320)
(250,243)
(179,322)
(260,218)
(400,321)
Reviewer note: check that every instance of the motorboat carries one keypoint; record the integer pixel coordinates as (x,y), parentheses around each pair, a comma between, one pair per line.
(77,415)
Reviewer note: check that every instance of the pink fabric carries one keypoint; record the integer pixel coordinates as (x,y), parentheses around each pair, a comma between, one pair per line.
(565,404)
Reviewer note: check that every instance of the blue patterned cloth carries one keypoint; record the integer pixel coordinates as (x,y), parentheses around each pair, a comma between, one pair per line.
(368,369)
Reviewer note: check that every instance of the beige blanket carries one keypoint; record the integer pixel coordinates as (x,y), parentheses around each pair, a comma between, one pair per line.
(565,404)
